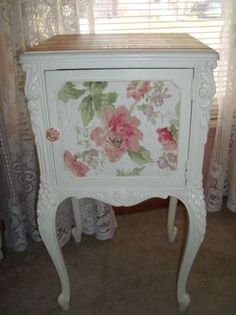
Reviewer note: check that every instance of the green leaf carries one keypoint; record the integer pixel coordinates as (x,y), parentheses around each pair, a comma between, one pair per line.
(134,172)
(158,85)
(100,86)
(141,157)
(95,87)
(174,131)
(120,172)
(86,108)
(104,101)
(69,92)
(108,100)
(97,100)
(175,122)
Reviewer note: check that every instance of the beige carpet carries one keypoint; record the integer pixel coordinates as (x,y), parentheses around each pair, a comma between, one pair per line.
(132,274)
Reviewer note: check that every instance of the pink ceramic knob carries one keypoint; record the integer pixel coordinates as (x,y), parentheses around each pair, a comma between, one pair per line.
(53,134)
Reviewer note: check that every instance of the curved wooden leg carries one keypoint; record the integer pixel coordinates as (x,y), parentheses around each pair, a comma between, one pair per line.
(171,228)
(47,208)
(197,225)
(77,230)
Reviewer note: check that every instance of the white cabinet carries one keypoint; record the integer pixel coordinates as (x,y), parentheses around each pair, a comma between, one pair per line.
(121,118)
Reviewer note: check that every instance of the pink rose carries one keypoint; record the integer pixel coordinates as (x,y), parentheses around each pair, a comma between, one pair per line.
(118,134)
(77,168)
(166,139)
(137,89)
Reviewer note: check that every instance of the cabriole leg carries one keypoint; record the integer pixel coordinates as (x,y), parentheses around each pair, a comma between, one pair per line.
(196,209)
(172,230)
(47,208)
(77,230)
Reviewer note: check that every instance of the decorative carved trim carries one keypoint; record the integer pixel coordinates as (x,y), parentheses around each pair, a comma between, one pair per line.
(123,197)
(47,203)
(32,92)
(197,206)
(119,198)
(205,94)
(32,84)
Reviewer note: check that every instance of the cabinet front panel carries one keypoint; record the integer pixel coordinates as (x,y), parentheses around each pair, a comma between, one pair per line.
(119,123)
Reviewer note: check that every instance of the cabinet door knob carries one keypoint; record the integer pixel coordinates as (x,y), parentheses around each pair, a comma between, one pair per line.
(53,134)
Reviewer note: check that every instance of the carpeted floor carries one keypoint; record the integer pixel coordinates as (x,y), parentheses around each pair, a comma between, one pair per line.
(132,274)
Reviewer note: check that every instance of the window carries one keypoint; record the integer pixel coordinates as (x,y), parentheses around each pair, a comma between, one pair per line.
(200,18)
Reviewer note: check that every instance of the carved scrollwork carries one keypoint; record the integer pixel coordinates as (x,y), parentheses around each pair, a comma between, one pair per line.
(122,197)
(47,205)
(32,92)
(198,207)
(206,92)
(32,83)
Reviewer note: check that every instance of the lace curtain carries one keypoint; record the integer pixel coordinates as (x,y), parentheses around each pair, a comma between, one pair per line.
(221,179)
(23,23)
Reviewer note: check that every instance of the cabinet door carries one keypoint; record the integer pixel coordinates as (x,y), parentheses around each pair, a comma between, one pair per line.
(120,123)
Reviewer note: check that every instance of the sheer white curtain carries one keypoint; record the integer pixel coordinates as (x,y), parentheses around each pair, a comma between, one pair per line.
(222,173)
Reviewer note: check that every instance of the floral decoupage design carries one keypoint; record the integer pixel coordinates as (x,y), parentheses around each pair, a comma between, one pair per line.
(119,128)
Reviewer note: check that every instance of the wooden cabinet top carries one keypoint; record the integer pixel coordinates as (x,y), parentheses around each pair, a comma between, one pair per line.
(113,42)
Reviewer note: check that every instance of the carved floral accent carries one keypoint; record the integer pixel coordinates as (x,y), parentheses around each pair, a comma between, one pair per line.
(205,94)
(128,198)
(122,197)
(47,203)
(32,92)
(198,207)
(32,85)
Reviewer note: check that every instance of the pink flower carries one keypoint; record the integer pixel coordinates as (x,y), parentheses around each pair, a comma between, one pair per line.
(119,134)
(137,89)
(166,139)
(77,168)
